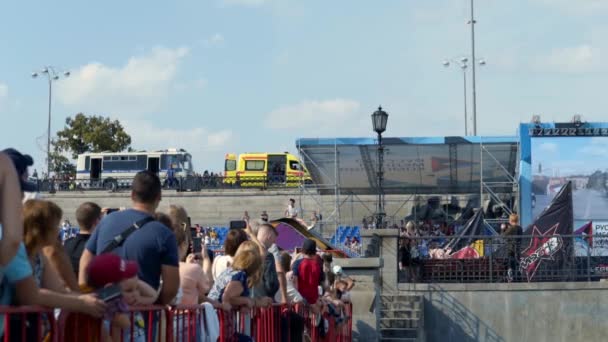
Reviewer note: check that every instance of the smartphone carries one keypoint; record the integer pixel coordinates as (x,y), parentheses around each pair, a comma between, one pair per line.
(196,245)
(111,210)
(240,224)
(109,293)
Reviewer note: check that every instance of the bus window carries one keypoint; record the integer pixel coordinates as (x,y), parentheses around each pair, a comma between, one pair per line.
(294,165)
(230,165)
(187,162)
(254,165)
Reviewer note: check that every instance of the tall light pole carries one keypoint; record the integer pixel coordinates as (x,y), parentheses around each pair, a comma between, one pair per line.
(52,74)
(472,22)
(463,63)
(379,119)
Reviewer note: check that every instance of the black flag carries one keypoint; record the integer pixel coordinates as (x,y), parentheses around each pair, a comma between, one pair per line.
(465,245)
(548,252)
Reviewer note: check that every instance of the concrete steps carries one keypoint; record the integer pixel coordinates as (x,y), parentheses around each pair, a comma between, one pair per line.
(401,317)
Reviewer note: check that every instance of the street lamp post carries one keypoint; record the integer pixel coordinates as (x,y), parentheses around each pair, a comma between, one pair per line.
(463,62)
(472,22)
(379,119)
(52,75)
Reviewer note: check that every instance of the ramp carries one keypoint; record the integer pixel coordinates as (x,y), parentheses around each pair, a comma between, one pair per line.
(292,234)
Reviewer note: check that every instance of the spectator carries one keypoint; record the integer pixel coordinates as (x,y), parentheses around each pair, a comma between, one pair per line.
(308,274)
(264,216)
(291,211)
(41,227)
(88,216)
(194,282)
(109,269)
(512,234)
(293,296)
(55,252)
(234,239)
(153,246)
(19,286)
(232,286)
(11,221)
(436,252)
(273,278)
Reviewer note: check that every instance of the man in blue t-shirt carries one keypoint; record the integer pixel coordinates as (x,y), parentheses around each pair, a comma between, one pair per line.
(153,246)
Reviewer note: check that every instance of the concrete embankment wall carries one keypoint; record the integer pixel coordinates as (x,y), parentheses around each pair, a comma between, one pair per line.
(218,207)
(515,312)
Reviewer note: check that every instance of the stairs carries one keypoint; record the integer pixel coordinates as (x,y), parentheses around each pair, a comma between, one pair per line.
(401,317)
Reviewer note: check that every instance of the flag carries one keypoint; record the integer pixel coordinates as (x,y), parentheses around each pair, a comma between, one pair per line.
(466,245)
(586,233)
(548,253)
(583,240)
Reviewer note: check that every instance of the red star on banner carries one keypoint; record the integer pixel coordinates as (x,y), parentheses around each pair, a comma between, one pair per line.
(532,255)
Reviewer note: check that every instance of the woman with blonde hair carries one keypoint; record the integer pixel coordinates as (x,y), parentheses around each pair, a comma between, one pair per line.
(233,285)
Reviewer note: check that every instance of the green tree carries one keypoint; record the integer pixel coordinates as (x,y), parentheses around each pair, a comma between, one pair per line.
(61,165)
(92,134)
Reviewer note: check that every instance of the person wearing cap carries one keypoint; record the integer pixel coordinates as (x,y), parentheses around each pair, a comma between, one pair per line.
(55,253)
(109,269)
(153,245)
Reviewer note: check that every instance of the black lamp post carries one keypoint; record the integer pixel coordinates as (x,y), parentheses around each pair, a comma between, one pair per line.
(379,119)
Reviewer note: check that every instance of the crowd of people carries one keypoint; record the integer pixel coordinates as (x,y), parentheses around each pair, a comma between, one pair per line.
(432,241)
(140,256)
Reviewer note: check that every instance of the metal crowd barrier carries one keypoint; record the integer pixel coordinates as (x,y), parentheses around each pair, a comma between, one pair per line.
(495,259)
(191,183)
(176,324)
(27,323)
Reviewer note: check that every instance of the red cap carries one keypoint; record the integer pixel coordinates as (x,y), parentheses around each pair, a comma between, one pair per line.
(109,268)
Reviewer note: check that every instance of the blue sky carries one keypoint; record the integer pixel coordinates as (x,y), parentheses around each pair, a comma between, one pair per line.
(566,156)
(217,76)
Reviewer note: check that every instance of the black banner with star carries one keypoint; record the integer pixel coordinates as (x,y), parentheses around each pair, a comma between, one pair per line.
(548,255)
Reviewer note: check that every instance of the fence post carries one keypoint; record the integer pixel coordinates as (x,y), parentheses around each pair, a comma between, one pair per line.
(491,260)
(588,260)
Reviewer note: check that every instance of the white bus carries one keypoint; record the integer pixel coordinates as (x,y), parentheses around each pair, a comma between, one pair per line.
(111,170)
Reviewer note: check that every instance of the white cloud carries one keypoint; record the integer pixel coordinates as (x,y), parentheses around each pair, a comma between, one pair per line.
(598,147)
(328,114)
(216,38)
(3,94)
(219,139)
(140,86)
(548,147)
(207,147)
(582,58)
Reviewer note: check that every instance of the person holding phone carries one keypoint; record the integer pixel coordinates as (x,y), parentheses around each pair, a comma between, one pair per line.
(115,281)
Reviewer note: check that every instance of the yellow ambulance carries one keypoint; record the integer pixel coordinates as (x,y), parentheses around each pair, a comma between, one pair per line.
(265,169)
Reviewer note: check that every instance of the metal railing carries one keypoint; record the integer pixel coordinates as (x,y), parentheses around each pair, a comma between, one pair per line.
(191,183)
(495,259)
(187,323)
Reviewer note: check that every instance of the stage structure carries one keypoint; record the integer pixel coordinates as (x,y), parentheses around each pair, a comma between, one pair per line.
(452,170)
(553,154)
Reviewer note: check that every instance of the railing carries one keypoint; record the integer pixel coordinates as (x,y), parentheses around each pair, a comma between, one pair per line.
(492,259)
(176,324)
(190,183)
